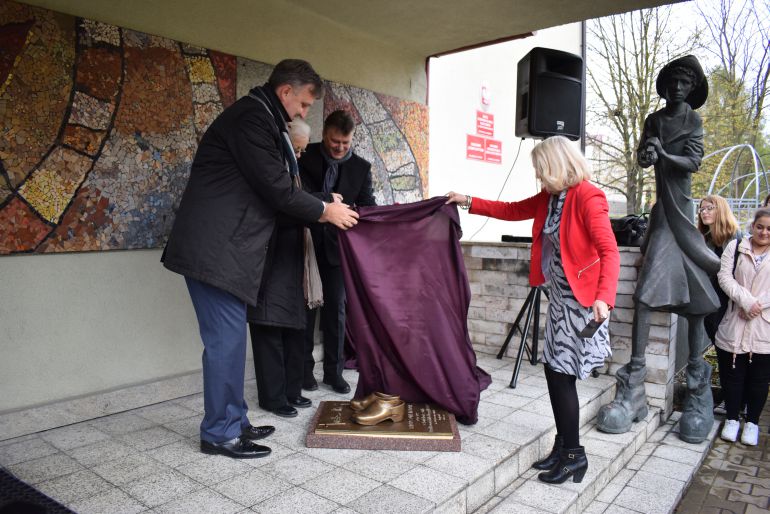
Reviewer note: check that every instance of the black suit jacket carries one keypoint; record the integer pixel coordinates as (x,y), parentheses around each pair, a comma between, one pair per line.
(354,183)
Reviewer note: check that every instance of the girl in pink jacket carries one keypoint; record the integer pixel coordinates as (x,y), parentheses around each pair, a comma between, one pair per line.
(743,338)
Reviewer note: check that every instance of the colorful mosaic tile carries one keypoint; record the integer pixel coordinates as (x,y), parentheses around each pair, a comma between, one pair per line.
(132,38)
(368,106)
(205,114)
(13,38)
(36,97)
(83,139)
(203,93)
(99,72)
(81,225)
(20,228)
(5,189)
(156,95)
(90,112)
(390,144)
(193,50)
(407,196)
(226,68)
(50,188)
(412,119)
(200,69)
(99,130)
(404,183)
(101,32)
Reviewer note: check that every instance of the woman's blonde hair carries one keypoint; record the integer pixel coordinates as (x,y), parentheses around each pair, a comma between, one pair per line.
(559,165)
(725,225)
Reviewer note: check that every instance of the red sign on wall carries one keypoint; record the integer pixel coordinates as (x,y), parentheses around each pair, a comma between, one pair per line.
(485,124)
(493,151)
(474,148)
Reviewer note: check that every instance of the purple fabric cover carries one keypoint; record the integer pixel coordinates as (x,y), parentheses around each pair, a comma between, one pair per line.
(407,306)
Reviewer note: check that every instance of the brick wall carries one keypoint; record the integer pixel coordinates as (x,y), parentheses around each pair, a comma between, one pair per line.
(499,281)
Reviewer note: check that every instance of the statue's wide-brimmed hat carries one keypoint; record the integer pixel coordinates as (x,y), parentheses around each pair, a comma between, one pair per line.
(700,91)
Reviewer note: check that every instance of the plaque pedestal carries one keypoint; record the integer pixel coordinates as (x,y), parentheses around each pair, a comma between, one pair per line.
(425,428)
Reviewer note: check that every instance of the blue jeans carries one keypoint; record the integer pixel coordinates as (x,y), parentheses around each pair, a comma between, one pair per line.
(222,322)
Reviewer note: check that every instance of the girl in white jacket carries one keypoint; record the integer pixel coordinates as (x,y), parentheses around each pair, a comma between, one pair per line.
(743,338)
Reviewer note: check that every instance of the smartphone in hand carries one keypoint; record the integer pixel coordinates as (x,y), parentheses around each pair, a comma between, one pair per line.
(590,329)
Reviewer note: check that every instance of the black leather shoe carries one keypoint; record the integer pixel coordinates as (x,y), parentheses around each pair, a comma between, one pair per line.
(285,411)
(310,383)
(550,461)
(238,448)
(339,385)
(254,433)
(572,463)
(300,401)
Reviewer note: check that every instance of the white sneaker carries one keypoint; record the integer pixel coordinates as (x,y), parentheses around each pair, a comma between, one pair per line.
(730,430)
(750,434)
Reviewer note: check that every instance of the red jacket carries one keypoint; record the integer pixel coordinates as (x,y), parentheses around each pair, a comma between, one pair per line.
(588,247)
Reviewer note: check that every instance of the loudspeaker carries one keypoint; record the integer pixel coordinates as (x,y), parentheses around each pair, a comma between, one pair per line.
(549,94)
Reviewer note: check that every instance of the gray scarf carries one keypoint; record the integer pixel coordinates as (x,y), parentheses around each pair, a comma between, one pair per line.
(332,168)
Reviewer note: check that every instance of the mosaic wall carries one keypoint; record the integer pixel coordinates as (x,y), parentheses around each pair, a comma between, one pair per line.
(99,125)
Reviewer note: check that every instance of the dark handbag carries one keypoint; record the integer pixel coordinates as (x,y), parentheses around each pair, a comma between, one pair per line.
(629,230)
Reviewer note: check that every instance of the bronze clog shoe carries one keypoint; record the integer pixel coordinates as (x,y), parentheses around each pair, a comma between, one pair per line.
(381,410)
(359,405)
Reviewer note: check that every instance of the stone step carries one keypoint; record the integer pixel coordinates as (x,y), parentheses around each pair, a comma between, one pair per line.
(515,429)
(656,478)
(608,454)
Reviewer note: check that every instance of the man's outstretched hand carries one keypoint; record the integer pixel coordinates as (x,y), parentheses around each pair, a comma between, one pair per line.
(339,215)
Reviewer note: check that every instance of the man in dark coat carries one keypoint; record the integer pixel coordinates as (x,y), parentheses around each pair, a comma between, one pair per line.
(331,171)
(239,183)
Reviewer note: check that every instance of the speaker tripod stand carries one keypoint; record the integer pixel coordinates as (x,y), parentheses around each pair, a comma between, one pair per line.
(531,308)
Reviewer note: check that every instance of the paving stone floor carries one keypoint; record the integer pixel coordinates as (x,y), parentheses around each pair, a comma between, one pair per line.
(734,478)
(147,459)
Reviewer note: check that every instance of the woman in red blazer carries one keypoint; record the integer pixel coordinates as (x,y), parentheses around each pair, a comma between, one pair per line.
(574,250)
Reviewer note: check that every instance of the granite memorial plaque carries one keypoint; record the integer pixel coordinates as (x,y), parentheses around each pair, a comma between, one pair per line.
(425,427)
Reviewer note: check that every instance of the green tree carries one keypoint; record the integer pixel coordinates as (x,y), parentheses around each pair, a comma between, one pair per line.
(736,37)
(625,53)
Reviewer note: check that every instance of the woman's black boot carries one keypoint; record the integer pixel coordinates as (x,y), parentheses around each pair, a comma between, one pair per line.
(572,463)
(550,461)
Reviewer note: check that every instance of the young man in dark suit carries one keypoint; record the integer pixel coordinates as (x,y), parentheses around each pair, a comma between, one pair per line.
(331,171)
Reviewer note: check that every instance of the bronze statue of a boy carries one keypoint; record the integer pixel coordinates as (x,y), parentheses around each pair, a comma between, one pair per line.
(674,276)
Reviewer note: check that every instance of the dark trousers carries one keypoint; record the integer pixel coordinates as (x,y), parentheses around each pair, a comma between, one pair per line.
(277,363)
(332,322)
(746,383)
(222,322)
(562,392)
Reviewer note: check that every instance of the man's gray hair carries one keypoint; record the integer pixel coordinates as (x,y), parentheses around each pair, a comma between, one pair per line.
(298,127)
(296,73)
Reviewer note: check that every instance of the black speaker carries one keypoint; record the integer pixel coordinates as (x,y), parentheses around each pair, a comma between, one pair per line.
(549,94)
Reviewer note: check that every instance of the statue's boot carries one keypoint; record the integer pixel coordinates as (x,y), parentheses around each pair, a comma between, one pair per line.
(698,412)
(630,403)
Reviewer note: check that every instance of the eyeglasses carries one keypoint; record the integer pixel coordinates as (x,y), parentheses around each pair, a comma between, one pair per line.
(706,209)
(299,151)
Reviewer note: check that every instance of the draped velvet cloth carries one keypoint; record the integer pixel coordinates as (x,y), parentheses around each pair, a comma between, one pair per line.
(407,306)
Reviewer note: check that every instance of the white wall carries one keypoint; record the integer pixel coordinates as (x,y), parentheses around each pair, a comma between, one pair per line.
(77,323)
(455,84)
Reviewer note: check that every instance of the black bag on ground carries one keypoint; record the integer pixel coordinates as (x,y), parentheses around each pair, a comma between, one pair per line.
(629,230)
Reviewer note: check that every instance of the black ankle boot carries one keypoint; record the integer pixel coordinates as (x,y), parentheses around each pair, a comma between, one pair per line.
(550,461)
(572,463)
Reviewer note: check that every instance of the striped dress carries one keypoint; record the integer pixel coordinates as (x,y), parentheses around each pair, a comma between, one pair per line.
(564,351)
